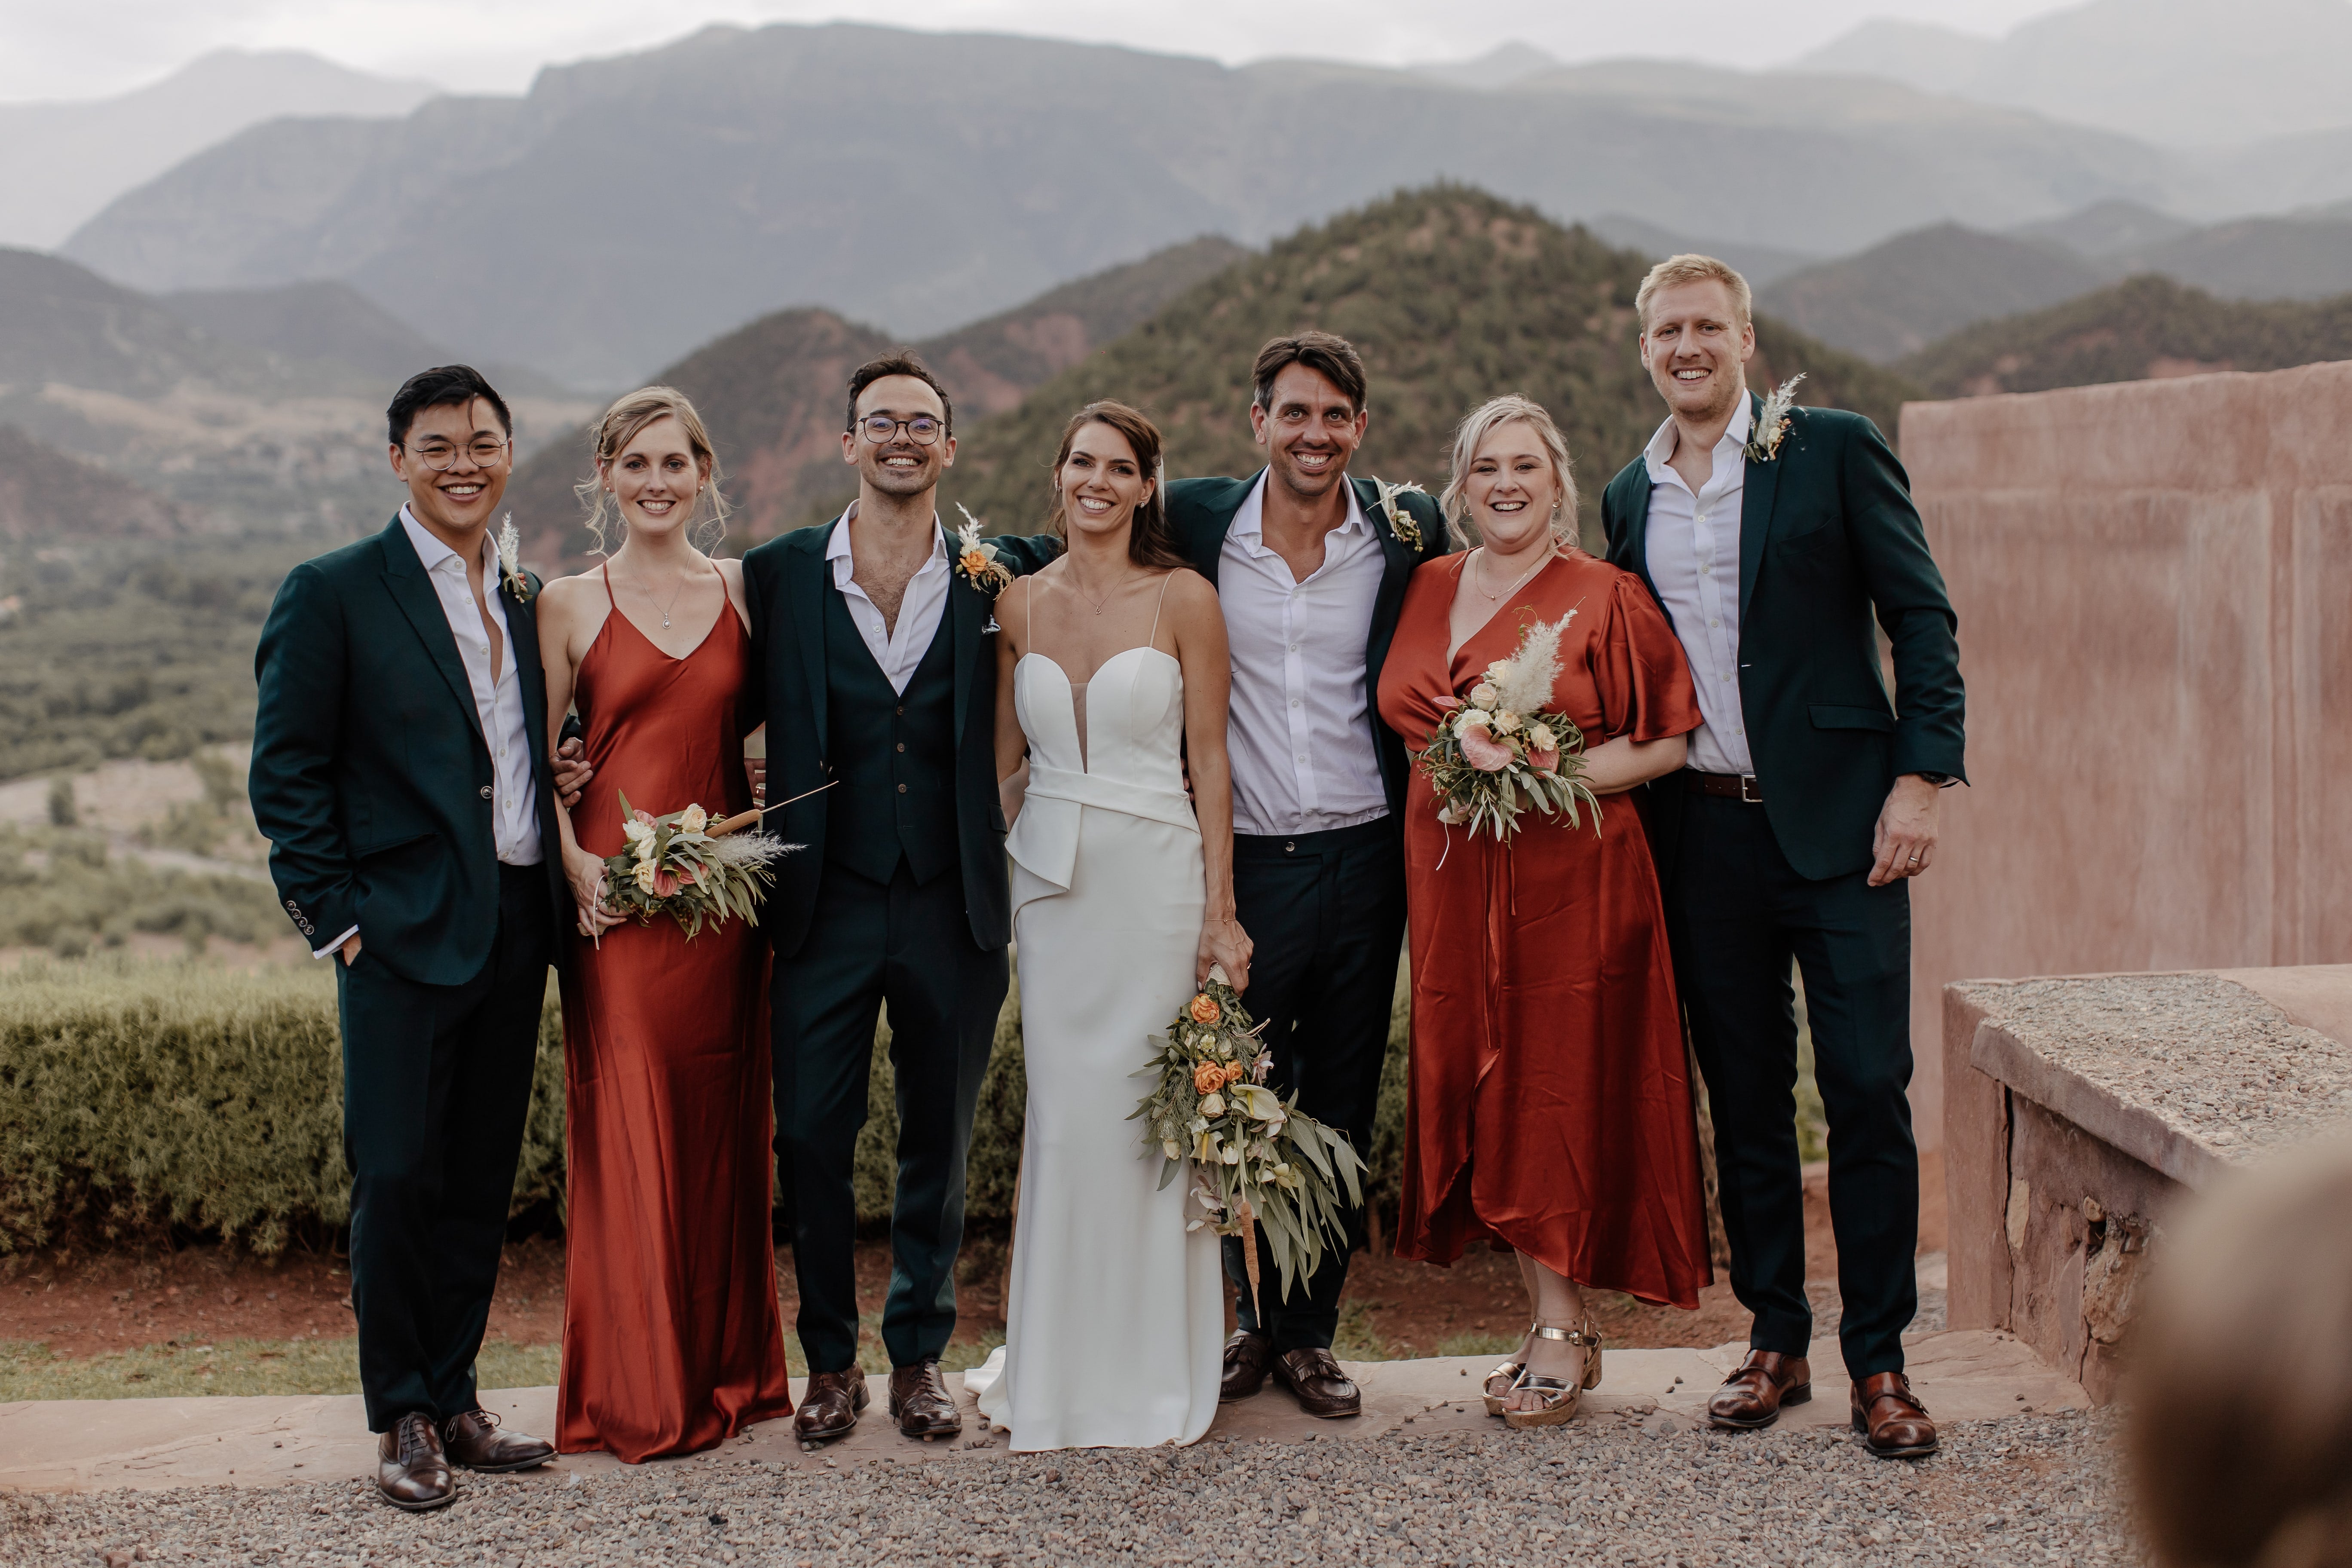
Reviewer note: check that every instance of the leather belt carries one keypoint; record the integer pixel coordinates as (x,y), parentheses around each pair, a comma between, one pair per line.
(1729,786)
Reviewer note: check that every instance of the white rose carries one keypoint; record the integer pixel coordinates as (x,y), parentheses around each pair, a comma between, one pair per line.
(644,874)
(693,819)
(1541,737)
(1499,671)
(636,832)
(1506,721)
(1474,719)
(646,855)
(1168,1145)
(1213,1104)
(1484,695)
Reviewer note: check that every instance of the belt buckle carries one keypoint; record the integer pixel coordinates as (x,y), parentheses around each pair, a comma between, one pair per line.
(1750,792)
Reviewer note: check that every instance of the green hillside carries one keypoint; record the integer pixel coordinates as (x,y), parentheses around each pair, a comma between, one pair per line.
(1453,296)
(2140,328)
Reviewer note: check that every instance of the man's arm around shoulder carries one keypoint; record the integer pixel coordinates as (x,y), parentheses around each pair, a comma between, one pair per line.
(298,726)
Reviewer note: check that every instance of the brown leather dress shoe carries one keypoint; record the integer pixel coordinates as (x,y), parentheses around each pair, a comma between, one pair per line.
(1752,1396)
(921,1403)
(412,1472)
(1246,1354)
(830,1407)
(1892,1421)
(474,1441)
(1322,1388)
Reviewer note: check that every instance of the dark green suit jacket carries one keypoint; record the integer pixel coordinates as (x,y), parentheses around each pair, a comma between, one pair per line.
(1201,513)
(784,584)
(369,776)
(1828,537)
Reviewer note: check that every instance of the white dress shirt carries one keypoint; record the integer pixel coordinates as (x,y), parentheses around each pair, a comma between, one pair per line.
(1299,728)
(900,648)
(1693,551)
(497,701)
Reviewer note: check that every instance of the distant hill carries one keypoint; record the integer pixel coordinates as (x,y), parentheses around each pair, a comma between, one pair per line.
(2255,258)
(92,152)
(774,392)
(2107,228)
(1452,294)
(2137,330)
(61,322)
(1043,161)
(325,323)
(1896,298)
(49,497)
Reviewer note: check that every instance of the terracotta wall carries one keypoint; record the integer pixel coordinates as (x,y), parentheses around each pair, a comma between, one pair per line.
(2154,583)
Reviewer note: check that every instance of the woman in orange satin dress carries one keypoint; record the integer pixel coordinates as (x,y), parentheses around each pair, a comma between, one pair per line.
(673,1340)
(1548,1106)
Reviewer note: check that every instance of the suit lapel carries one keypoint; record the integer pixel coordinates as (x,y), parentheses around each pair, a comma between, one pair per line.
(1759,486)
(1209,533)
(807,583)
(1637,524)
(1396,574)
(410,588)
(522,647)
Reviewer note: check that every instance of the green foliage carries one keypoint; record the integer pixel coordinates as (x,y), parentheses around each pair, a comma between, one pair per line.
(27,1371)
(62,811)
(1452,295)
(132,648)
(60,888)
(2140,328)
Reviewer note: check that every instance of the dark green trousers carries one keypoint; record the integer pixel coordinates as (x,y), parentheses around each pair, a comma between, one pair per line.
(436,1082)
(911,948)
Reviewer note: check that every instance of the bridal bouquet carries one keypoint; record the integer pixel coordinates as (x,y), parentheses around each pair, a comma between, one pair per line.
(1501,749)
(690,868)
(1255,1157)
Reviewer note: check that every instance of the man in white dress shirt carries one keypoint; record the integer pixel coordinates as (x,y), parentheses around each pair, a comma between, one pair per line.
(399,771)
(1311,575)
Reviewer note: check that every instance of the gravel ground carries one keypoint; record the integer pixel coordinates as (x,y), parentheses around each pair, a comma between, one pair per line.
(1609,1490)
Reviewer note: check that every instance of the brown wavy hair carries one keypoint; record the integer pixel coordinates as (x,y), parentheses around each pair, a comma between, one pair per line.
(1151,540)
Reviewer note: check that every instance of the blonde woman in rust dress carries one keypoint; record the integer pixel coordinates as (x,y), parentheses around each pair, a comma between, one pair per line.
(672,1338)
(1548,1106)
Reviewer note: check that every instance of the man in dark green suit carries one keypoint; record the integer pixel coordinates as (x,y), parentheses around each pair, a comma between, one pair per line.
(1310,570)
(872,645)
(1781,540)
(400,775)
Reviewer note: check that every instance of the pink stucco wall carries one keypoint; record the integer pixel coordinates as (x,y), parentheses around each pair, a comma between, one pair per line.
(2154,583)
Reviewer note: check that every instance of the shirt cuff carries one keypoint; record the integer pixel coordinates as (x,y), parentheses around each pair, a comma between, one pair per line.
(335,945)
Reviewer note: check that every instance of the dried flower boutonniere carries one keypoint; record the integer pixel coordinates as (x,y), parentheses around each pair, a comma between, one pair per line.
(976,558)
(1391,505)
(510,571)
(1772,422)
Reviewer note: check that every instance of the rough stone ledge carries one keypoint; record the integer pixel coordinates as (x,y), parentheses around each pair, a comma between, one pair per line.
(2188,1073)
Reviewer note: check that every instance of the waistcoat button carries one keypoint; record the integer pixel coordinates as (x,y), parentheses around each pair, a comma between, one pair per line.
(902,789)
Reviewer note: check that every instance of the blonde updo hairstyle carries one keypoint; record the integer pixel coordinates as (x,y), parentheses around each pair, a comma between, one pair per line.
(621,424)
(1481,424)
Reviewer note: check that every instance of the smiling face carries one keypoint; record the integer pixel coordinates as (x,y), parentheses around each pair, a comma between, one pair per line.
(462,498)
(900,466)
(1101,482)
(1697,349)
(1512,488)
(657,477)
(1309,430)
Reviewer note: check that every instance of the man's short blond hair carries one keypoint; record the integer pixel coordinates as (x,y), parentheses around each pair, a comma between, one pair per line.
(1691,267)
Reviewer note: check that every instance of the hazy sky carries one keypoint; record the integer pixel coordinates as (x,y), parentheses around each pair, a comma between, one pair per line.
(100,47)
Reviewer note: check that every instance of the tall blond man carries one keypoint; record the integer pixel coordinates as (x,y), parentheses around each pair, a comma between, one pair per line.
(1779,541)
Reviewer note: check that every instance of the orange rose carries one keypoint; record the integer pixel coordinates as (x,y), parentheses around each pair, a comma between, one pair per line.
(1204,1010)
(973,562)
(1235,1072)
(1207,1078)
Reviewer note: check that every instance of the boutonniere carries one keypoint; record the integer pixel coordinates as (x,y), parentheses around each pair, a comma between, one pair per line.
(975,558)
(1401,521)
(1772,422)
(510,561)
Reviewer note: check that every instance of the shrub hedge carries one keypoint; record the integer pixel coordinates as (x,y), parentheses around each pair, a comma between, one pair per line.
(138,1096)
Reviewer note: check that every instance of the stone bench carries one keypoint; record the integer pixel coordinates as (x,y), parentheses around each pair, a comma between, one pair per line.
(2078,1109)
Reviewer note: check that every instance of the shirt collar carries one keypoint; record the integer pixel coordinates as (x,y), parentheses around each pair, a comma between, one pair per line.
(837,545)
(432,553)
(1249,520)
(1661,445)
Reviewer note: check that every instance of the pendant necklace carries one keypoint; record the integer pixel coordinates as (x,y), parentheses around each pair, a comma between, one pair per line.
(1543,561)
(1097,604)
(656,603)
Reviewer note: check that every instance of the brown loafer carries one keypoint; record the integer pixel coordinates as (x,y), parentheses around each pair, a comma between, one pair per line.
(921,1403)
(1892,1421)
(1322,1388)
(411,1471)
(1246,1354)
(474,1441)
(1752,1396)
(830,1405)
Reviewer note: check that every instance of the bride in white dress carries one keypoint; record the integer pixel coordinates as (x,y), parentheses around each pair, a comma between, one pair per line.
(1112,675)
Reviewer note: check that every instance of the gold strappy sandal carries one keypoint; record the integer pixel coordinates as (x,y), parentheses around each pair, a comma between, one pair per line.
(1509,1371)
(1560,1398)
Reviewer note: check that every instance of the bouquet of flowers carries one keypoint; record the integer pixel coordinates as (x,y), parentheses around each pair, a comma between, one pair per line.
(1256,1159)
(1500,750)
(690,868)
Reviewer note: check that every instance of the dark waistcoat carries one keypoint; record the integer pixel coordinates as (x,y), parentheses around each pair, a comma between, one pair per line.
(893,754)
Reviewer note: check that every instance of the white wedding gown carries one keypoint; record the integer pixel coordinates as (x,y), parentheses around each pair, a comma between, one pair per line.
(1114,1334)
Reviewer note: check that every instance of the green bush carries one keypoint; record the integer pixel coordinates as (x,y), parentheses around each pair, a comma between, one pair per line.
(60,888)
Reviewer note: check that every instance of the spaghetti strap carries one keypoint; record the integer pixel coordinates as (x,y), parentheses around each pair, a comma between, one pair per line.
(1153,640)
(605,571)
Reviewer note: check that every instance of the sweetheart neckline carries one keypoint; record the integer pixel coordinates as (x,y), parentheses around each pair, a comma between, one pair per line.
(1056,664)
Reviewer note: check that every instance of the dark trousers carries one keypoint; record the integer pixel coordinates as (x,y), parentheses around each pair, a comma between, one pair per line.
(910,947)
(1738,914)
(1325,911)
(436,1082)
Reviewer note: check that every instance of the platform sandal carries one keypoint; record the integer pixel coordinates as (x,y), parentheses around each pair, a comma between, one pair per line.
(1560,1398)
(1509,1373)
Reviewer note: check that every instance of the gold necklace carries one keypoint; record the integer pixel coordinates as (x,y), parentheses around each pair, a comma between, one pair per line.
(1072,578)
(674,598)
(1541,562)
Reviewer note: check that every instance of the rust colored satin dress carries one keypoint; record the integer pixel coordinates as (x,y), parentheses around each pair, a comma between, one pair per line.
(1549,1108)
(672,1338)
